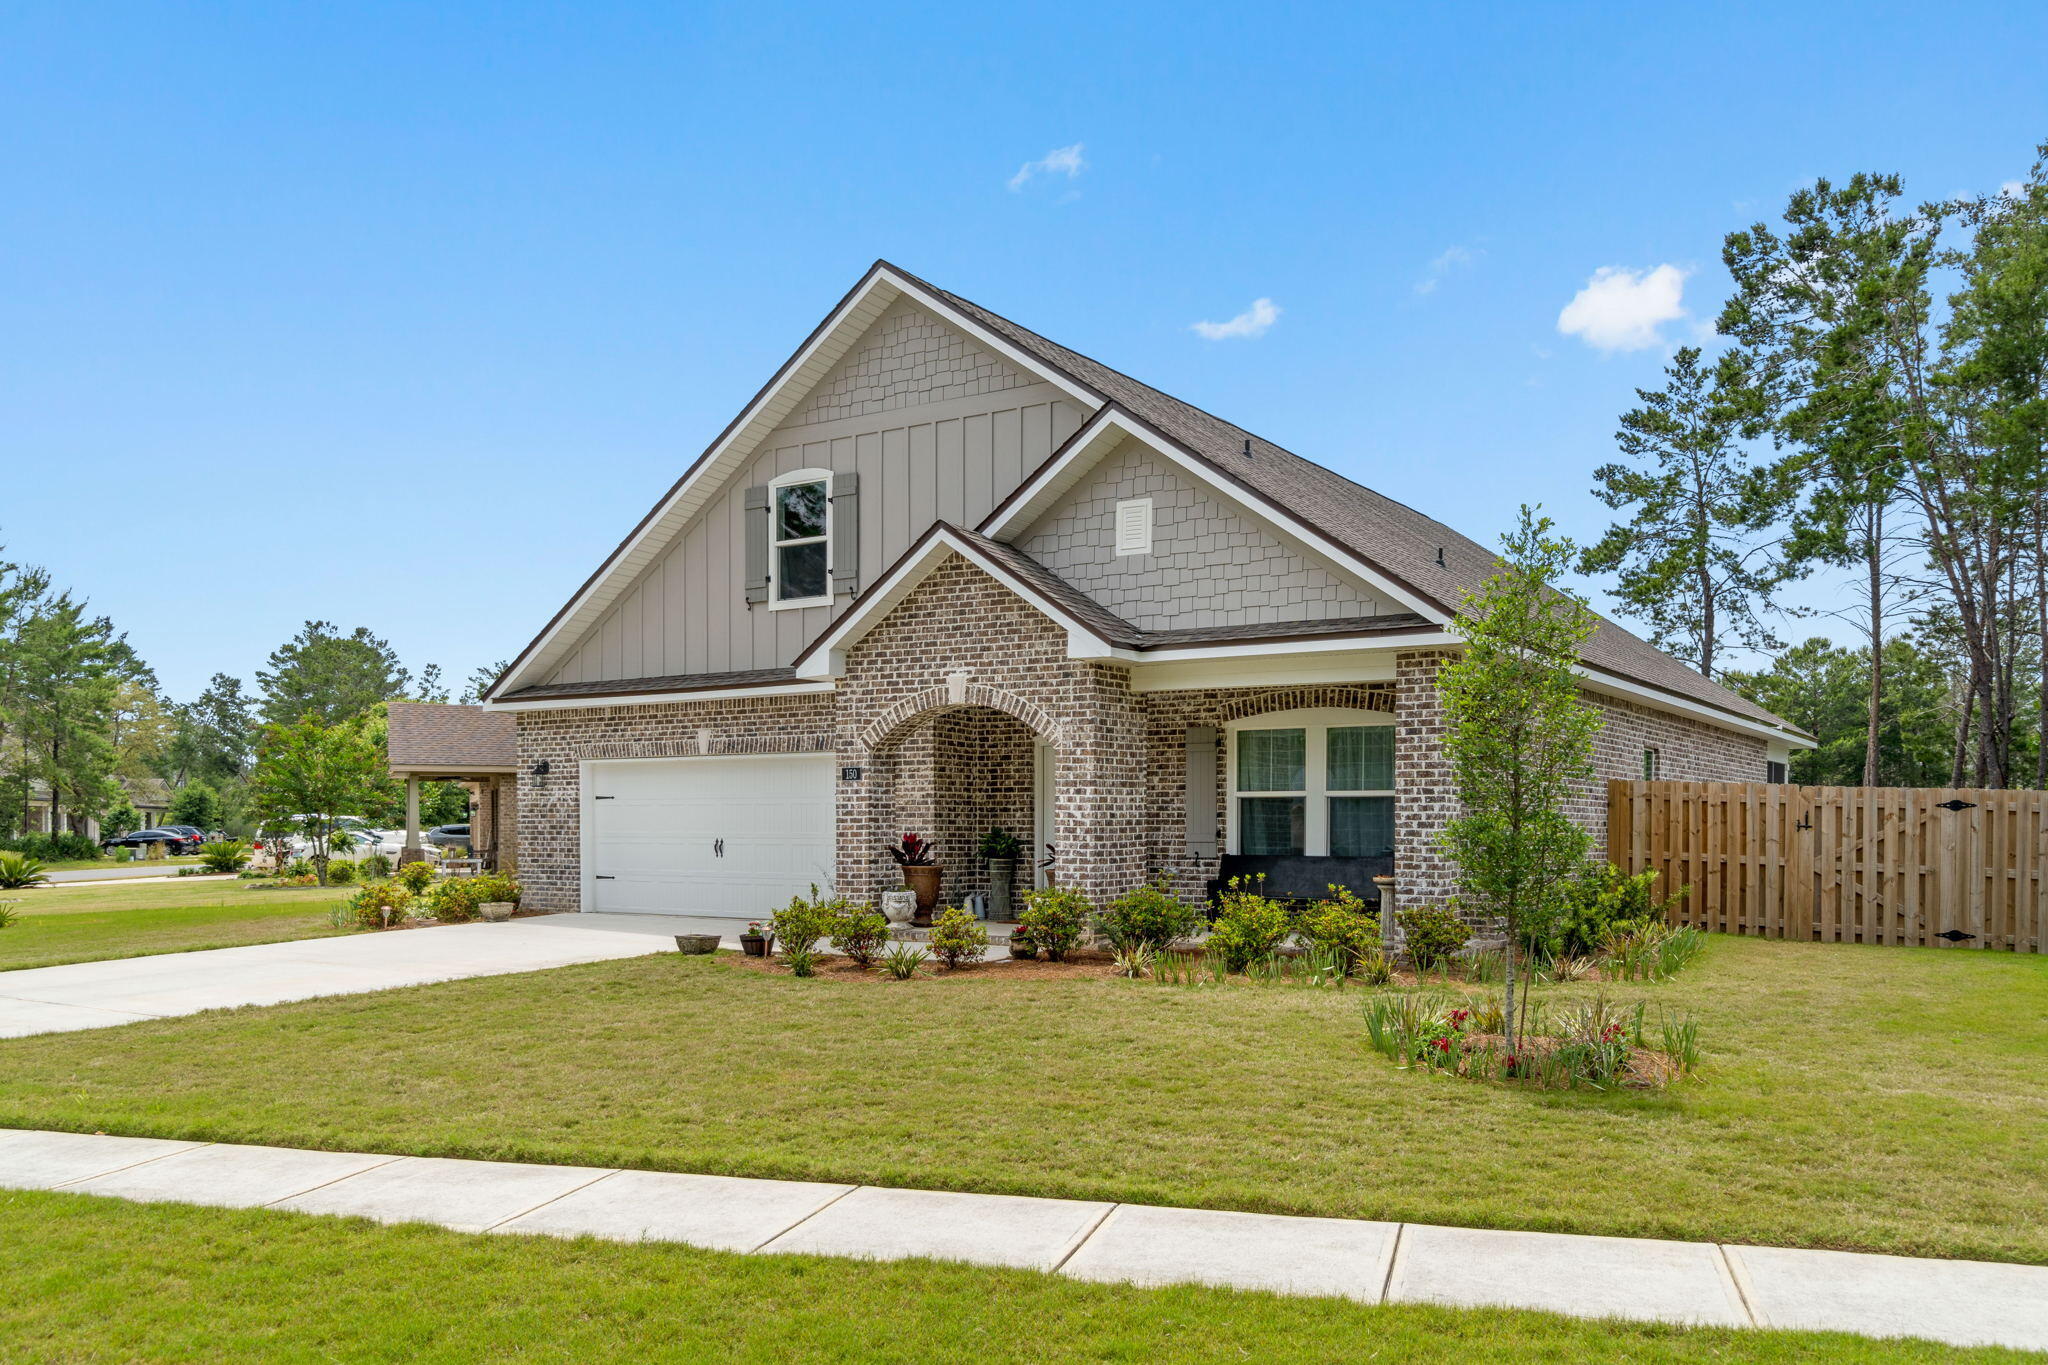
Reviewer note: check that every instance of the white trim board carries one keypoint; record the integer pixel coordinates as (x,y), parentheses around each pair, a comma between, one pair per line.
(652,698)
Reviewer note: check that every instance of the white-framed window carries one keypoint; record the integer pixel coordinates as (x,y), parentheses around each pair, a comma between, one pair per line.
(1650,765)
(1134,526)
(800,539)
(1318,783)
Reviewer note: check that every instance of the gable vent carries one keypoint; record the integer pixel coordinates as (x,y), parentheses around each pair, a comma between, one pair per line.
(1134,526)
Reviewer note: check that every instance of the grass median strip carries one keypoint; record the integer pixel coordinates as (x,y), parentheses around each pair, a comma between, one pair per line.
(87,1279)
(1874,1099)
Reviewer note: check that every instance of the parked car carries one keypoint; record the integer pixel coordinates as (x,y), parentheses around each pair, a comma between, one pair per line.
(448,836)
(175,841)
(192,832)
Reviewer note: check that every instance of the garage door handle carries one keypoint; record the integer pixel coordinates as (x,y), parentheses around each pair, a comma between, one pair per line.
(718,848)
(606,877)
(604,798)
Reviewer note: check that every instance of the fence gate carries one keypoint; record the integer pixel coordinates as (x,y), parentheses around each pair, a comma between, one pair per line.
(1937,867)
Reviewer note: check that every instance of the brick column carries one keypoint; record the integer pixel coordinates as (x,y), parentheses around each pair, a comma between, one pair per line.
(1099,786)
(1423,800)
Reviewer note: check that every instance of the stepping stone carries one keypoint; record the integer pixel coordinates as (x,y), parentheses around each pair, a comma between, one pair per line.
(1149,1246)
(985,1229)
(231,1176)
(716,1211)
(1962,1303)
(468,1196)
(1623,1277)
(33,1160)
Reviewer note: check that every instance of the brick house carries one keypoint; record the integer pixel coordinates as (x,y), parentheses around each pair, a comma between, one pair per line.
(943,575)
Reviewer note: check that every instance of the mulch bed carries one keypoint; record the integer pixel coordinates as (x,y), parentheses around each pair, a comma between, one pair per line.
(1078,966)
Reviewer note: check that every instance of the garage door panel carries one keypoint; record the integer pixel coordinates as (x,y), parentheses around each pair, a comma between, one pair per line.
(721,836)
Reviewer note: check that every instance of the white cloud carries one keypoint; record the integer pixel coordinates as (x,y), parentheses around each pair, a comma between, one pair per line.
(1059,161)
(1450,260)
(1623,310)
(1252,322)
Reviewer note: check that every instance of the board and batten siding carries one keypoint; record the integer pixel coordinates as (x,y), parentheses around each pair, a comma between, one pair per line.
(1210,564)
(952,461)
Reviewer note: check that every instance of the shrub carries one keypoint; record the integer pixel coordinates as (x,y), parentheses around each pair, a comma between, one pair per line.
(1249,925)
(957,937)
(453,900)
(380,905)
(53,848)
(8,915)
(1149,917)
(799,925)
(494,886)
(860,931)
(341,872)
(376,867)
(1599,903)
(1342,924)
(802,961)
(18,870)
(1373,967)
(1133,960)
(1433,934)
(1000,843)
(297,867)
(902,961)
(1054,918)
(416,877)
(230,855)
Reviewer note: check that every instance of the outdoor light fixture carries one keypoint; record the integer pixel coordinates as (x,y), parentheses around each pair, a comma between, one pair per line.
(540,769)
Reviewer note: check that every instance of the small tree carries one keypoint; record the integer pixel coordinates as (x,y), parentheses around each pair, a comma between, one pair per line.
(196,804)
(308,774)
(1518,738)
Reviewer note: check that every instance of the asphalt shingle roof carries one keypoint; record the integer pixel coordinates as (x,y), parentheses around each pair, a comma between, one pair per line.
(426,735)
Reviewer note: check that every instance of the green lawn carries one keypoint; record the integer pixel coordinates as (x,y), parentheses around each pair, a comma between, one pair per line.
(1885,1099)
(84,1279)
(107,864)
(85,922)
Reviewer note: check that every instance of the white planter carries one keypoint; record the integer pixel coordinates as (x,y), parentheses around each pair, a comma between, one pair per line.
(899,906)
(497,912)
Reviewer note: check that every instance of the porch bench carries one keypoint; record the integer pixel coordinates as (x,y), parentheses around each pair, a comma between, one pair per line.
(1299,880)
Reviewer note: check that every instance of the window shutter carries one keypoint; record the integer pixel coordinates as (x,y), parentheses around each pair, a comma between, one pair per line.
(757,544)
(1201,791)
(846,532)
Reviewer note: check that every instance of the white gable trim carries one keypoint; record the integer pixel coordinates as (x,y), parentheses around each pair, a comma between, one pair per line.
(1611,684)
(1110,427)
(881,287)
(654,698)
(825,659)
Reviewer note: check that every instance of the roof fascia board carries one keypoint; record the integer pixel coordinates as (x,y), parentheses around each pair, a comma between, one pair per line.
(1066,466)
(1280,649)
(1599,680)
(653,698)
(825,657)
(745,429)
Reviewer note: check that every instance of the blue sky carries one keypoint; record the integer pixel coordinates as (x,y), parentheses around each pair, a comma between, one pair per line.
(401,315)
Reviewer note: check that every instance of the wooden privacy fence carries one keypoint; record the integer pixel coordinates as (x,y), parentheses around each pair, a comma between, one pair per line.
(1938,867)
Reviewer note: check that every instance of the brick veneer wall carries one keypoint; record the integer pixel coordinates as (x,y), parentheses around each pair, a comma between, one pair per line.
(549,808)
(962,640)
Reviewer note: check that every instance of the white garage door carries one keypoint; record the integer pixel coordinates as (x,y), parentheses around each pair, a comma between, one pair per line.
(706,836)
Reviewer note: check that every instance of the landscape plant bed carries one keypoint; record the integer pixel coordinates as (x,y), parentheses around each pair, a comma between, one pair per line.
(1085,964)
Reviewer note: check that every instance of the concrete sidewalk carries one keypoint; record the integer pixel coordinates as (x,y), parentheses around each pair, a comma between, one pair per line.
(1962,1303)
(124,990)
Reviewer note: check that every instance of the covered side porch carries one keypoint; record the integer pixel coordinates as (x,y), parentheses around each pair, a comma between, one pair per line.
(434,742)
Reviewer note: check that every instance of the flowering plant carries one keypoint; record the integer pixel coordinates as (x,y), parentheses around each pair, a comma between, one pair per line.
(914,850)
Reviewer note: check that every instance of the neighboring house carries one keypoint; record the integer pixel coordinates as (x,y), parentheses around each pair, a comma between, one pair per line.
(433,742)
(943,574)
(151,797)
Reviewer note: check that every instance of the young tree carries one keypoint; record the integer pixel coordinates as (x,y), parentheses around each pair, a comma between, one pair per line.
(308,774)
(332,676)
(1519,739)
(195,803)
(1689,557)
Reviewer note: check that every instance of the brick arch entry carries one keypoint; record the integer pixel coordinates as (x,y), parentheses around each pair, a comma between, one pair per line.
(949,762)
(1312,698)
(888,727)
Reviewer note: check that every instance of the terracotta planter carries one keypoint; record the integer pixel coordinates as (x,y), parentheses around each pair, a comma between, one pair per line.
(925,882)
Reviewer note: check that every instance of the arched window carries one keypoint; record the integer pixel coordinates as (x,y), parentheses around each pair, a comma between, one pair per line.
(1316,783)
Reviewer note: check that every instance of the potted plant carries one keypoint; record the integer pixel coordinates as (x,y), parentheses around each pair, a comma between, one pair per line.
(921,873)
(754,943)
(1001,848)
(899,905)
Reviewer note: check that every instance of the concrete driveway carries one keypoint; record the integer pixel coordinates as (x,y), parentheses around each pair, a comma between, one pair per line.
(123,991)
